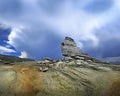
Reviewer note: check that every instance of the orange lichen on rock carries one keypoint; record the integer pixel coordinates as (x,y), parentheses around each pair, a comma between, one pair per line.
(28,80)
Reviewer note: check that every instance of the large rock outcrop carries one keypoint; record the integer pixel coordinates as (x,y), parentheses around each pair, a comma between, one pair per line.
(70,49)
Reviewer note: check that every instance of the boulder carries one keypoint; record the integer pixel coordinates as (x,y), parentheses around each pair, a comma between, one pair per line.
(80,57)
(45,69)
(47,60)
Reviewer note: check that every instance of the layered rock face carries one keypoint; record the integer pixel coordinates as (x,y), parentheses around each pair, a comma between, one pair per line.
(70,49)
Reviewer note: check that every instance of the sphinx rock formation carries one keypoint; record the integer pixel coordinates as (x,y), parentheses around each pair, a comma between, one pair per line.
(70,51)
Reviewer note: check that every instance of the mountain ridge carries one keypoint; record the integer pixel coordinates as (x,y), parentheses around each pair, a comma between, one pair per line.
(112,60)
(11,59)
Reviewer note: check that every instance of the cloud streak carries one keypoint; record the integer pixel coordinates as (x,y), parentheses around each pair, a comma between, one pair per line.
(6,50)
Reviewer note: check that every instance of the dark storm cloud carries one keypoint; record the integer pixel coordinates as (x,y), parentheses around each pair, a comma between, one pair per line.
(10,8)
(109,44)
(105,49)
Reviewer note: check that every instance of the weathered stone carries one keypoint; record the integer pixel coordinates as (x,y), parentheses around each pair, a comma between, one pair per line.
(39,62)
(78,57)
(45,69)
(69,41)
(50,65)
(86,63)
(40,69)
(46,60)
(59,60)
(89,60)
(79,62)
(67,58)
(70,49)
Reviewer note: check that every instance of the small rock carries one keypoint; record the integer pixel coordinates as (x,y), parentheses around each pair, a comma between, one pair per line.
(68,58)
(39,62)
(59,60)
(50,65)
(40,69)
(79,62)
(44,70)
(89,60)
(78,57)
(46,60)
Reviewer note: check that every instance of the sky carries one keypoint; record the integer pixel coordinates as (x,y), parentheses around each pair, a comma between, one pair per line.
(36,28)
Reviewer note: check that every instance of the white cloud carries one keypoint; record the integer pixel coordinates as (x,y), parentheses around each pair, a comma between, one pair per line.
(23,55)
(16,33)
(6,50)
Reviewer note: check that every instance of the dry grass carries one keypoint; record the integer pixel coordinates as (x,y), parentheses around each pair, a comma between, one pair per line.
(114,89)
(64,81)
